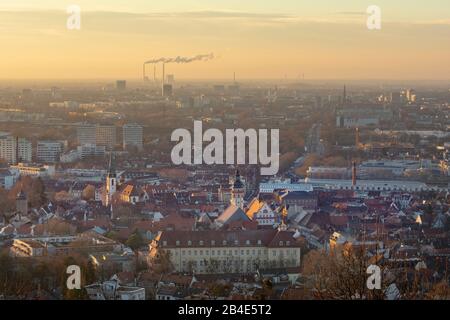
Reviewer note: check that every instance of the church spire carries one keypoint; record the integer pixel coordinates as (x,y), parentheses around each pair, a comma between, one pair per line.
(237,191)
(111,182)
(111,167)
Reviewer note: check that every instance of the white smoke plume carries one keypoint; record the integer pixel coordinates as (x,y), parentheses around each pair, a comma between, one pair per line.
(179,59)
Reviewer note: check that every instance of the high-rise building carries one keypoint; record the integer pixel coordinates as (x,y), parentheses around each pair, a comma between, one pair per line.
(101,135)
(132,136)
(121,85)
(48,151)
(170,79)
(86,134)
(14,149)
(106,136)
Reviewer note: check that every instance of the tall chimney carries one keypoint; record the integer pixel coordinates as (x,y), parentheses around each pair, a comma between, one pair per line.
(354,175)
(163,78)
(154,72)
(143,72)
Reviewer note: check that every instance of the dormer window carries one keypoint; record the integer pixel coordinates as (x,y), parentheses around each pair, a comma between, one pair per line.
(177,242)
(213,242)
(189,243)
(236,242)
(200,242)
(164,243)
(224,242)
(281,243)
(288,243)
(247,242)
(259,242)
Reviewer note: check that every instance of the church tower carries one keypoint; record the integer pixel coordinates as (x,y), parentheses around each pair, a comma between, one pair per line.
(111,182)
(237,192)
(22,203)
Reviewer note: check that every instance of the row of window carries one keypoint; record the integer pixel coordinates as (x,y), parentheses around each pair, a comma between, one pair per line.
(235,252)
(224,242)
(213,242)
(235,266)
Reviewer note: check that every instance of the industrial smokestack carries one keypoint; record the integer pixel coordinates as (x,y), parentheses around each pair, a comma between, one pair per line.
(143,72)
(163,78)
(354,175)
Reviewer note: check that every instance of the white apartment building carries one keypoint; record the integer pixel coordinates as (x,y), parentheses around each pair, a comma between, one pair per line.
(14,149)
(49,151)
(132,136)
(215,251)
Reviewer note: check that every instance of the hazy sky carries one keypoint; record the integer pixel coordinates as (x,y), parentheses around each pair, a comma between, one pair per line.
(257,39)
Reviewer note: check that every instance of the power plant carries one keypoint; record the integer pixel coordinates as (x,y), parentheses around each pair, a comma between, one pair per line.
(164,61)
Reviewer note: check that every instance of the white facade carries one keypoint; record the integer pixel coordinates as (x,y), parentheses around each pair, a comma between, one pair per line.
(373,185)
(265,216)
(33,170)
(49,151)
(13,149)
(227,252)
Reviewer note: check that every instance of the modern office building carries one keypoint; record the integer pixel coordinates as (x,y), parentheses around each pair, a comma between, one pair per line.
(106,136)
(49,151)
(86,134)
(90,150)
(101,135)
(132,136)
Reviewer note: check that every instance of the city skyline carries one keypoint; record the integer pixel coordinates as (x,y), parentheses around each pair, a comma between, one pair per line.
(285,40)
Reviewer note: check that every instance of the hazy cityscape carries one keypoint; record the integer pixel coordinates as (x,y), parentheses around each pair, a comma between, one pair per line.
(93,205)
